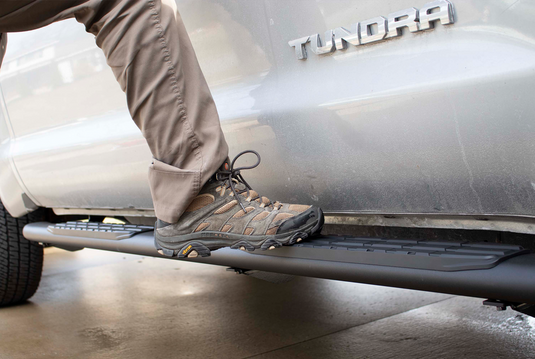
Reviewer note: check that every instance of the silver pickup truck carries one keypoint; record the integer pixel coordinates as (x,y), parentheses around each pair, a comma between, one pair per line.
(412,124)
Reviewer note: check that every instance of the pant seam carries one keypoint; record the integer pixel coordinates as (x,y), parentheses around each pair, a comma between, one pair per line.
(174,88)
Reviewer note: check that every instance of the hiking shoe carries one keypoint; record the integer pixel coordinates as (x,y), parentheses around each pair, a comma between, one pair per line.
(229,213)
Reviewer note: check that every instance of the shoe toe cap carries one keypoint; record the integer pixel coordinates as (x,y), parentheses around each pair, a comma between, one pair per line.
(308,217)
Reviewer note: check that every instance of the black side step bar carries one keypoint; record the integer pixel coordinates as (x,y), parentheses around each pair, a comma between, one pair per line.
(485,270)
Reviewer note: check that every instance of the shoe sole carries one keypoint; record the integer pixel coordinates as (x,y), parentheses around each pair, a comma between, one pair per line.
(201,244)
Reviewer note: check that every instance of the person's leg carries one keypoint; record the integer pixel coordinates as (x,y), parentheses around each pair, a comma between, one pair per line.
(149,51)
(200,206)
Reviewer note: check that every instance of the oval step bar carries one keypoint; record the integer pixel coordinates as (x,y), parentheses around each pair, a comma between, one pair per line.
(485,270)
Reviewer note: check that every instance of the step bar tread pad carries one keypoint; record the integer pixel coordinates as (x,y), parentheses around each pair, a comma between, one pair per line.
(416,254)
(402,253)
(97,230)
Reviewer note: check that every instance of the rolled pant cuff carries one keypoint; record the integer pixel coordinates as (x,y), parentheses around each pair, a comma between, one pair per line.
(172,189)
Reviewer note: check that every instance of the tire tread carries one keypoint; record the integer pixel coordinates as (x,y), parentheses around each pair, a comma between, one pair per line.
(21,261)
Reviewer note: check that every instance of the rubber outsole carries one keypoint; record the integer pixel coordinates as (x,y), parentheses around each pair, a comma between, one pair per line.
(203,246)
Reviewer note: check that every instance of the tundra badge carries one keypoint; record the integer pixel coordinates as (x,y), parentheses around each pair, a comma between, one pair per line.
(361,33)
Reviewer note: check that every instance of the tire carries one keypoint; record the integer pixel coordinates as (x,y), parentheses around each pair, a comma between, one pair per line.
(21,261)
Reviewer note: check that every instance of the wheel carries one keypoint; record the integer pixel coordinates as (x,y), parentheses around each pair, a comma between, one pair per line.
(21,261)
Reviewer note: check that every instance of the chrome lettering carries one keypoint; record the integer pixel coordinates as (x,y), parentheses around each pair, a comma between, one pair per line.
(343,36)
(300,49)
(366,35)
(317,46)
(396,21)
(444,14)
(364,32)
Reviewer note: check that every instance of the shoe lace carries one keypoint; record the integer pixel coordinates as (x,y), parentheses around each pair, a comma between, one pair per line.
(232,176)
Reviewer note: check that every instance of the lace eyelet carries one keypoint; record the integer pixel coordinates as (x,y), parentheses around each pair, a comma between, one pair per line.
(231,176)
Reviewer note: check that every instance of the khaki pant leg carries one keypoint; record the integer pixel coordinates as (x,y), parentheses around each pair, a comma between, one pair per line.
(148,48)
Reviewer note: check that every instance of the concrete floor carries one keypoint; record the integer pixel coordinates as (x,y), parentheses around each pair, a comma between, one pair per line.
(94,304)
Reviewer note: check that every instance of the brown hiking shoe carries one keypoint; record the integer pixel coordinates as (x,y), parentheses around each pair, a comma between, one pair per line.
(228,213)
